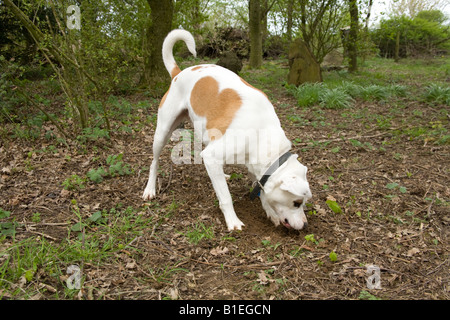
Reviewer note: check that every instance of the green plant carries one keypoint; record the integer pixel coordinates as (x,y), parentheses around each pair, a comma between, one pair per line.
(307,94)
(365,295)
(36,218)
(333,256)
(416,35)
(97,175)
(332,204)
(117,166)
(74,182)
(374,93)
(8,228)
(335,99)
(199,232)
(395,185)
(310,238)
(236,176)
(397,90)
(92,134)
(165,273)
(438,94)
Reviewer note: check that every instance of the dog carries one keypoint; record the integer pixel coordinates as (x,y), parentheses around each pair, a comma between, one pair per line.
(235,120)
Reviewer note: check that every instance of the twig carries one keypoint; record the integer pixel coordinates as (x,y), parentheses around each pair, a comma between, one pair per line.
(48,224)
(43,235)
(429,208)
(170,179)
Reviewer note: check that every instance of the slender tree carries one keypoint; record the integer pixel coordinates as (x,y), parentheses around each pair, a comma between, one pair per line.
(255,15)
(353,36)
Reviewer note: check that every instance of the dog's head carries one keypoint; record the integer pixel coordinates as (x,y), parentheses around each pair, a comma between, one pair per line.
(285,194)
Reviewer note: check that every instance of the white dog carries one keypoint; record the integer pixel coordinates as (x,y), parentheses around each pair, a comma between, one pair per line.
(236,120)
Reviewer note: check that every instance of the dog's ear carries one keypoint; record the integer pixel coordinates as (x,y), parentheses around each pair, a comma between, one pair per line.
(292,184)
(303,168)
(304,173)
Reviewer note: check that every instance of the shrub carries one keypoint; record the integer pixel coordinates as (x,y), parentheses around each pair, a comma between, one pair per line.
(418,36)
(437,94)
(335,99)
(374,93)
(307,94)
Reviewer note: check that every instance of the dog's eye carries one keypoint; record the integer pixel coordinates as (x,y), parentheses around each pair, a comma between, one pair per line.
(298,203)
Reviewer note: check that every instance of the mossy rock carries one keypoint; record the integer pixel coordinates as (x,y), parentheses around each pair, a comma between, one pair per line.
(230,61)
(303,67)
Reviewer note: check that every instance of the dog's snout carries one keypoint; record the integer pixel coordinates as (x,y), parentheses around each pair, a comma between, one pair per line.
(305,225)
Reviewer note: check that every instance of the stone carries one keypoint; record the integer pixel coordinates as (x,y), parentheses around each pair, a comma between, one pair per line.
(333,61)
(230,61)
(303,67)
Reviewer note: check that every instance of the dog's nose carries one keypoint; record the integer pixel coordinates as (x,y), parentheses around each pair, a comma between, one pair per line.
(305,225)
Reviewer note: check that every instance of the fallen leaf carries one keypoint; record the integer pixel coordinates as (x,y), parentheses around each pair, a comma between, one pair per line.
(218,251)
(412,252)
(64,193)
(262,278)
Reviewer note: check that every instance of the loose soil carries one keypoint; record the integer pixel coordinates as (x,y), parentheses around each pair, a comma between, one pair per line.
(392,187)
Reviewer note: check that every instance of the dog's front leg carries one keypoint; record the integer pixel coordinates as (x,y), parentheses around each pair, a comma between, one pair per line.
(217,176)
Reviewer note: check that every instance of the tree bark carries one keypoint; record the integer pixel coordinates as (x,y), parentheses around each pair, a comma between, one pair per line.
(353,36)
(161,14)
(397,47)
(255,34)
(290,9)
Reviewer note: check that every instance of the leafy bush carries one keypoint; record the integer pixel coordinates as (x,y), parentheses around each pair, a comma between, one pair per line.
(335,99)
(374,93)
(116,168)
(307,94)
(9,97)
(436,93)
(420,35)
(344,95)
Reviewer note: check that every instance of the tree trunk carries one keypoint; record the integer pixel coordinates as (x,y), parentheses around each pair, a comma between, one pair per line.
(397,47)
(303,21)
(290,9)
(255,34)
(155,74)
(353,36)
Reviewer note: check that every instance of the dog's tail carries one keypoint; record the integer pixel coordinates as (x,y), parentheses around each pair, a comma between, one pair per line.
(169,42)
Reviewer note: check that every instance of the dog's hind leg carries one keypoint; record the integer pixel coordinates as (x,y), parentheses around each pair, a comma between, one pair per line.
(165,127)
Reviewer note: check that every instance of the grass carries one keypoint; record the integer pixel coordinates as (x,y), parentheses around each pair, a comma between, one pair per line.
(25,264)
(199,232)
(437,94)
(379,80)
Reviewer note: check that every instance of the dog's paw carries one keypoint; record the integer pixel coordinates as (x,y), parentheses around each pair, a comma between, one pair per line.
(148,194)
(235,225)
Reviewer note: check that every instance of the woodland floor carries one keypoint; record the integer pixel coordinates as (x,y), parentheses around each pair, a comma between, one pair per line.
(390,180)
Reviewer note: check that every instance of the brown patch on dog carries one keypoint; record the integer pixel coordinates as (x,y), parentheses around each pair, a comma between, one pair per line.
(249,85)
(218,107)
(175,71)
(196,68)
(163,98)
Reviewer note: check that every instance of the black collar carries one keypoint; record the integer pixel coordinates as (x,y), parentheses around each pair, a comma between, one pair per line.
(257,189)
